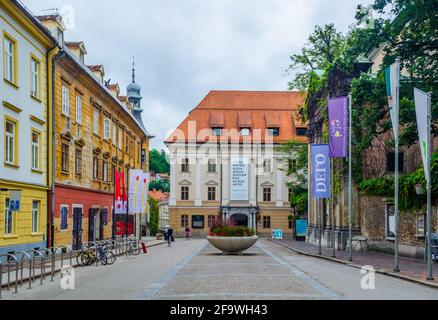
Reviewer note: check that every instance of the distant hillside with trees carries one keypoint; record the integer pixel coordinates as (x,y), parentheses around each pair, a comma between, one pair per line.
(158,161)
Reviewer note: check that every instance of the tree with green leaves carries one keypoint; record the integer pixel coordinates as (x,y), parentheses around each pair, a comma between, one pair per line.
(159,161)
(320,52)
(296,160)
(154,215)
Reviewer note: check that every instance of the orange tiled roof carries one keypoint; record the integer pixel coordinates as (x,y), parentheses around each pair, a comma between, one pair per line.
(159,195)
(232,110)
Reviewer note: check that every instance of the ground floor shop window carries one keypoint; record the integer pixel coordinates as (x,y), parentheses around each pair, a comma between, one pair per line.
(198,222)
(184,221)
(35,216)
(9,219)
(266,222)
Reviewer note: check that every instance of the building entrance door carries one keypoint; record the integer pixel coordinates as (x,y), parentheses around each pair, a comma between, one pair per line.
(240,220)
(77,228)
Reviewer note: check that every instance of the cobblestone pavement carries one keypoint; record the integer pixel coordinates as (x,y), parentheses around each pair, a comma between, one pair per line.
(413,268)
(271,272)
(193,270)
(258,274)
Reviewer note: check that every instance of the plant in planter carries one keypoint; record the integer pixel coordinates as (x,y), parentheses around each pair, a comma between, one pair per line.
(230,238)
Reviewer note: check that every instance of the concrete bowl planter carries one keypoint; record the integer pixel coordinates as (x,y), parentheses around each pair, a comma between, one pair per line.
(233,245)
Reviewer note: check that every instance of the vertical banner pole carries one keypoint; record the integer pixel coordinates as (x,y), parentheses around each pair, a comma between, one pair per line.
(350,181)
(397,167)
(126,191)
(318,212)
(332,207)
(429,190)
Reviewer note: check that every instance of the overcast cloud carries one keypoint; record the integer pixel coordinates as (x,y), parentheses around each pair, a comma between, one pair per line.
(185,48)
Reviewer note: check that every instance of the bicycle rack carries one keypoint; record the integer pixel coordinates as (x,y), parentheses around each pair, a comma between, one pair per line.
(29,258)
(69,251)
(8,255)
(40,255)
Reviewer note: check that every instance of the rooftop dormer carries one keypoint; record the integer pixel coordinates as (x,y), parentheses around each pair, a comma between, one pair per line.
(78,49)
(98,71)
(55,25)
(115,89)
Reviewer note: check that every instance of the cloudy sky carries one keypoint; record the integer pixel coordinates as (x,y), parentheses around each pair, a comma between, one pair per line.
(185,48)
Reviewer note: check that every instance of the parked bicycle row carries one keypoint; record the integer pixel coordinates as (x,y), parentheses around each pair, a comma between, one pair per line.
(21,267)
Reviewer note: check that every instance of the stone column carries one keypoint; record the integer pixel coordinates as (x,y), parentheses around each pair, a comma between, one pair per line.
(225,181)
(198,183)
(280,185)
(253,182)
(173,196)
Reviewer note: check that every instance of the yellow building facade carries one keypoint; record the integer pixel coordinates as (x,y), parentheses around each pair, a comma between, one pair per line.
(96,132)
(24,123)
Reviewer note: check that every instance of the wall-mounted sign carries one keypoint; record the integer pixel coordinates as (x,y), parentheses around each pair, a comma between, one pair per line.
(239,179)
(198,222)
(15,201)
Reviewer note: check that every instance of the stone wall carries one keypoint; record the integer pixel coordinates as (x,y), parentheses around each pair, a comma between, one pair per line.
(373,227)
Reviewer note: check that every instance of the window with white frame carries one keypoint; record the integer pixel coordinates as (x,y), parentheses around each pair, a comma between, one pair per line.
(79,109)
(120,143)
(9,219)
(35,76)
(35,216)
(35,150)
(96,116)
(9,59)
(106,128)
(114,134)
(10,142)
(65,101)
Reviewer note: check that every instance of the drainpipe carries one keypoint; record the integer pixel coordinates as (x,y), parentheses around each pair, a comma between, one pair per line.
(52,56)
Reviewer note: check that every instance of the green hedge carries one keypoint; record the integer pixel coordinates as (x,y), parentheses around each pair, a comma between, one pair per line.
(408,197)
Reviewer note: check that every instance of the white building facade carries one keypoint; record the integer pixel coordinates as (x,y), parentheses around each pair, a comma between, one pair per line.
(225,162)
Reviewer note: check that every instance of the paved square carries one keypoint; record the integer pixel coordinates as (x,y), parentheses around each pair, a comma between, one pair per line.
(256,275)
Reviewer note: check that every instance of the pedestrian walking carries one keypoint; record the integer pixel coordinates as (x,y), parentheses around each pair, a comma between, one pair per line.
(169,234)
(188,230)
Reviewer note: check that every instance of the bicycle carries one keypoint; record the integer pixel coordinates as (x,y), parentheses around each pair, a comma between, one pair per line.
(101,254)
(134,249)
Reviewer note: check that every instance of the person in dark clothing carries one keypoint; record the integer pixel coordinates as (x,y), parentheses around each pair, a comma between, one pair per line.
(187,231)
(169,236)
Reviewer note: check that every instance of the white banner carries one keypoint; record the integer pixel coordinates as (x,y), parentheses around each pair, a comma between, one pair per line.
(239,179)
(138,191)
(392,88)
(421,108)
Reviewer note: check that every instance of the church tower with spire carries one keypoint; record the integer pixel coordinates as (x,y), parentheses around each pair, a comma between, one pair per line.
(134,97)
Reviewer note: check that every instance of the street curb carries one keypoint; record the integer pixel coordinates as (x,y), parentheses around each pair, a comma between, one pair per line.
(350,264)
(154,244)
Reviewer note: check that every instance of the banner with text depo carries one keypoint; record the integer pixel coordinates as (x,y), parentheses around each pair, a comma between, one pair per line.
(320,171)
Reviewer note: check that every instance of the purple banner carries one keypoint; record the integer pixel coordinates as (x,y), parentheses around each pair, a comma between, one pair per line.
(338,127)
(320,171)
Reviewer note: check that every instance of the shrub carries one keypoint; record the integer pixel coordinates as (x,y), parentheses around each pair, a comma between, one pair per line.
(227,229)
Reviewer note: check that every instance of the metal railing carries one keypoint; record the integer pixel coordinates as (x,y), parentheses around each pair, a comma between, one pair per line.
(49,261)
